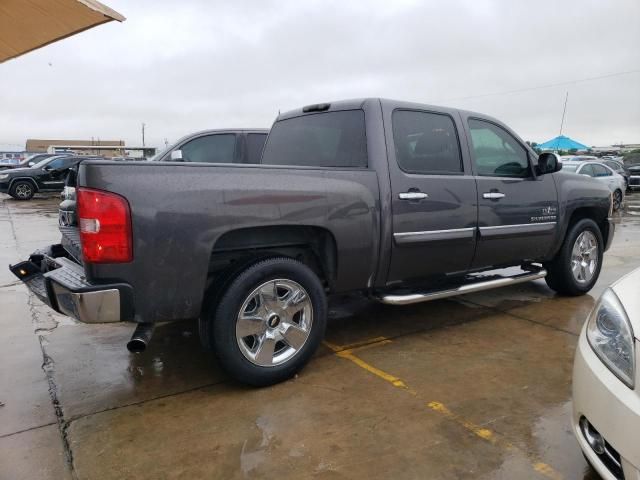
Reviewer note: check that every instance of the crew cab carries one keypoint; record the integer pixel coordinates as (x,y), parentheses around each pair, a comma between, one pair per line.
(400,201)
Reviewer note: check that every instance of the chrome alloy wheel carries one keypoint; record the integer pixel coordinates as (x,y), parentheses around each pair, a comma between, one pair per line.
(274,322)
(24,190)
(584,257)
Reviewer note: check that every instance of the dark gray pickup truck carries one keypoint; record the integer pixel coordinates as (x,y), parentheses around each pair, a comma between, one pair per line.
(400,201)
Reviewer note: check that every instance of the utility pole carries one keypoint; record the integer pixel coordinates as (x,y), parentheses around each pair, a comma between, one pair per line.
(564,111)
(143,125)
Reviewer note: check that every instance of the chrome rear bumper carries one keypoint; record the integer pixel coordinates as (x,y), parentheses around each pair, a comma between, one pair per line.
(61,284)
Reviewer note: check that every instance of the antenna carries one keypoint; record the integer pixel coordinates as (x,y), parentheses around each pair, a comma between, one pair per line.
(564,111)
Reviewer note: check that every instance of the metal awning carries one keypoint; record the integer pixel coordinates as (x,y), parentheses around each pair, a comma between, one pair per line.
(29,24)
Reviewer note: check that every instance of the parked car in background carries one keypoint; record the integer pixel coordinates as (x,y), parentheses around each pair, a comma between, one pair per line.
(634,176)
(618,167)
(603,173)
(31,160)
(400,201)
(48,175)
(584,158)
(606,399)
(9,163)
(217,146)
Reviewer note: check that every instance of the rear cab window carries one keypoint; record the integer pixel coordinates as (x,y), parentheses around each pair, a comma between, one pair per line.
(328,139)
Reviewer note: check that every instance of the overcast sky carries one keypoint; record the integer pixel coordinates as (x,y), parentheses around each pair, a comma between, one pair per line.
(192,65)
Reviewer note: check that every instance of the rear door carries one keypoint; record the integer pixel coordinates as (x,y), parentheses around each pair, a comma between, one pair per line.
(433,196)
(605,175)
(517,211)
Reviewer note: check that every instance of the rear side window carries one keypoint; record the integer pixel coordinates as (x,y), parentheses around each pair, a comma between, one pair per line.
(210,149)
(332,139)
(426,143)
(588,170)
(601,171)
(255,144)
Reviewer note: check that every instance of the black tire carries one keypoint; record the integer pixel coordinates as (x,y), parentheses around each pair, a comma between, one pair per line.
(22,190)
(559,273)
(221,316)
(617,200)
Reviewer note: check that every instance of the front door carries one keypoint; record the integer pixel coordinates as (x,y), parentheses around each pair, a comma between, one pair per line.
(517,211)
(54,174)
(433,197)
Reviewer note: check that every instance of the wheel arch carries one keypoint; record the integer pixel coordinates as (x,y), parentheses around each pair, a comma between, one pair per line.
(312,245)
(29,179)
(595,214)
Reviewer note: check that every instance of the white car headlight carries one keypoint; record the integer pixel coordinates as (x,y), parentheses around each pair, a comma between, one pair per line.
(611,337)
(3,176)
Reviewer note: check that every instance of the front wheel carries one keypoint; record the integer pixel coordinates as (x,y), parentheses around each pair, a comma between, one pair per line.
(576,267)
(22,190)
(268,321)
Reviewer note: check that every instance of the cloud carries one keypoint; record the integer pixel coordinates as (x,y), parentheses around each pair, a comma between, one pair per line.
(185,66)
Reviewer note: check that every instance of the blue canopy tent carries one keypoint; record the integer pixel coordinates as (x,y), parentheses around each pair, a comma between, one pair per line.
(561,143)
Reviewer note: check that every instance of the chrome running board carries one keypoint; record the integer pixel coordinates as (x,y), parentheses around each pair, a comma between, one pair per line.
(408,299)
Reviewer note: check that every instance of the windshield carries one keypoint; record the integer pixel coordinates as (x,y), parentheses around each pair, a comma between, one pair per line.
(569,168)
(162,153)
(42,163)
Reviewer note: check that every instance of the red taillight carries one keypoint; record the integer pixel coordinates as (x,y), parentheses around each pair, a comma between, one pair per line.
(105,226)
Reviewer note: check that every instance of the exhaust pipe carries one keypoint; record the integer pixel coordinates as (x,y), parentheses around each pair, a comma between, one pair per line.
(140,338)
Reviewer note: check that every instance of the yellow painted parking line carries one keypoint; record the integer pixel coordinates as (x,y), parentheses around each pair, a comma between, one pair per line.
(357,345)
(483,433)
(395,381)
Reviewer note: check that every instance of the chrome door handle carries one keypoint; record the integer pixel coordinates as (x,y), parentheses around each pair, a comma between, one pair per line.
(412,196)
(493,195)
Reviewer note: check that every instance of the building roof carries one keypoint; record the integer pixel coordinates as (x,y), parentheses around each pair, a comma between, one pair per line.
(29,24)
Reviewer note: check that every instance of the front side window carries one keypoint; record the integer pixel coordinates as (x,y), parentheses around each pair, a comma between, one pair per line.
(331,139)
(496,152)
(210,149)
(255,144)
(426,143)
(56,164)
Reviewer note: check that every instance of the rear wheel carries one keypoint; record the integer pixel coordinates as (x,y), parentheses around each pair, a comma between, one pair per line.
(22,190)
(267,321)
(617,200)
(576,267)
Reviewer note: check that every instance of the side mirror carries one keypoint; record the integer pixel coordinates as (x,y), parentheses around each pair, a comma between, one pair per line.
(548,163)
(47,168)
(31,164)
(176,155)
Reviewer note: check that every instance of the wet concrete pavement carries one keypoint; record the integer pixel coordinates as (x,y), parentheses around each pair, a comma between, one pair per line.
(473,387)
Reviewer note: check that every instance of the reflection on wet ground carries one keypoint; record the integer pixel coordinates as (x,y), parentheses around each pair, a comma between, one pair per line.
(472,387)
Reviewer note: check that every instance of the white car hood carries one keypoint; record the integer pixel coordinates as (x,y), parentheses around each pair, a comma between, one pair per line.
(628,291)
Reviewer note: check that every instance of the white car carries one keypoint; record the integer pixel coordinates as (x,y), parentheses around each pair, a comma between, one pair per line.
(599,171)
(606,382)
